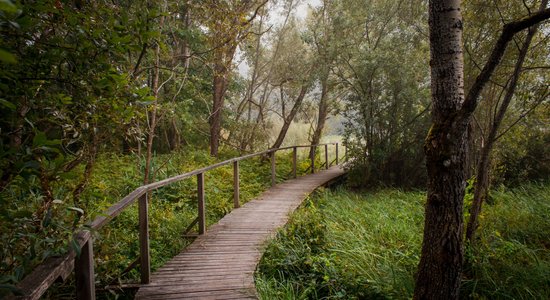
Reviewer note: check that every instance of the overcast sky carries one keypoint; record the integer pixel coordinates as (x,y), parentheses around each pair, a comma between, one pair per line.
(276,17)
(301,12)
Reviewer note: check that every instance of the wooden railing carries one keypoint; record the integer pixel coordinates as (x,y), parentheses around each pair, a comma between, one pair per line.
(36,284)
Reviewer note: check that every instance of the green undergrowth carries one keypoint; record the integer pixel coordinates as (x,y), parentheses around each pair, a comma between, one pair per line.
(366,245)
(26,241)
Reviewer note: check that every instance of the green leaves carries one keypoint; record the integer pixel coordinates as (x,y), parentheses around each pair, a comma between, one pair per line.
(7,57)
(6,104)
(7,6)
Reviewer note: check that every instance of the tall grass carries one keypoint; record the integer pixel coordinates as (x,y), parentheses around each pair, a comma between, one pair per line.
(346,245)
(172,209)
(511,258)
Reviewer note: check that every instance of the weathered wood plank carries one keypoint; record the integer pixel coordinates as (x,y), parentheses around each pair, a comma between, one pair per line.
(220,264)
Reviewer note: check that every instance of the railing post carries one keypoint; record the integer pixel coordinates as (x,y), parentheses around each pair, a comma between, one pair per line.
(144,255)
(200,196)
(346,153)
(273,181)
(84,271)
(326,156)
(294,160)
(336,153)
(236,184)
(312,159)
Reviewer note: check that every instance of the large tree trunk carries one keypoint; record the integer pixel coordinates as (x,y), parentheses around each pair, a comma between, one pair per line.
(439,269)
(440,264)
(288,119)
(481,184)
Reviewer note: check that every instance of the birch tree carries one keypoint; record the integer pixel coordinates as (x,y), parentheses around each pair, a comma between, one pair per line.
(440,266)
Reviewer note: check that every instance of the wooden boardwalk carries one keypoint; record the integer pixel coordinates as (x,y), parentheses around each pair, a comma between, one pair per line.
(221,263)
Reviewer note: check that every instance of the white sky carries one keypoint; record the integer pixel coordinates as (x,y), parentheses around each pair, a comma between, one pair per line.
(302,9)
(276,17)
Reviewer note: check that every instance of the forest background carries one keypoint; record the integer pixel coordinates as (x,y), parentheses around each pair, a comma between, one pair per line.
(100,97)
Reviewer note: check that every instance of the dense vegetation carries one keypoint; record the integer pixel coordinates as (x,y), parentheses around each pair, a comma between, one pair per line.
(100,97)
(365,245)
(172,209)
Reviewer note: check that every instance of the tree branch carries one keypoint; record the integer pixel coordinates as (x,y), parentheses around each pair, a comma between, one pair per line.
(508,32)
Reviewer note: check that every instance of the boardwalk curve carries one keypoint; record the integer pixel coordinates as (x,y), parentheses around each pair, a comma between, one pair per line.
(220,264)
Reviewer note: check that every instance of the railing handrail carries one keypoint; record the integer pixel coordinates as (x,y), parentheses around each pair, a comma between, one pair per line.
(117,208)
(38,281)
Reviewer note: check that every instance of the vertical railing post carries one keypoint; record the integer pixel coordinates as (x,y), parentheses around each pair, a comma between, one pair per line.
(144,255)
(312,157)
(346,153)
(273,168)
(336,153)
(84,270)
(294,160)
(326,156)
(200,196)
(236,184)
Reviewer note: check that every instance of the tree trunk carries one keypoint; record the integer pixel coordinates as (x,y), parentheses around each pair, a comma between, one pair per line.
(441,259)
(186,50)
(288,119)
(217,105)
(440,264)
(482,175)
(322,116)
(153,114)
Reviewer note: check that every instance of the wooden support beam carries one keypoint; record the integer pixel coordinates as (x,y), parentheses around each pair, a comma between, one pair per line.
(294,160)
(273,171)
(236,184)
(145,256)
(346,153)
(326,157)
(336,153)
(312,159)
(84,272)
(200,196)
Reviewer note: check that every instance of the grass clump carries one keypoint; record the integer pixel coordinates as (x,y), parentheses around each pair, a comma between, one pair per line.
(342,245)
(346,245)
(511,256)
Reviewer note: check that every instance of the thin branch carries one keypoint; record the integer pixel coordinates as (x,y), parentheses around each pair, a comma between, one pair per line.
(508,32)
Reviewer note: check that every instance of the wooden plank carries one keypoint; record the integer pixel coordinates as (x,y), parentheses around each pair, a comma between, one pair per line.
(294,161)
(43,276)
(336,153)
(312,159)
(200,197)
(221,263)
(84,270)
(144,253)
(273,171)
(326,157)
(236,187)
(35,284)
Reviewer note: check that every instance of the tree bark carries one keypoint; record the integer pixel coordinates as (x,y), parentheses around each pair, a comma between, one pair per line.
(153,114)
(441,259)
(288,119)
(442,254)
(322,115)
(215,118)
(482,175)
